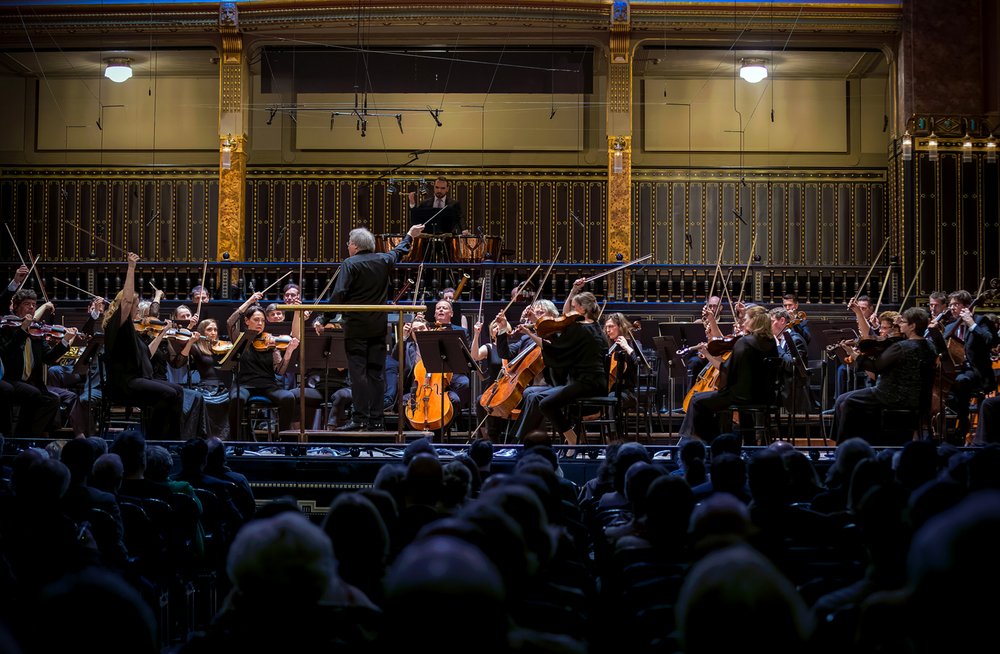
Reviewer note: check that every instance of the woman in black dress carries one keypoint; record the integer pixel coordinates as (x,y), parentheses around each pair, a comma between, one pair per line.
(259,370)
(129,371)
(744,369)
(197,354)
(577,355)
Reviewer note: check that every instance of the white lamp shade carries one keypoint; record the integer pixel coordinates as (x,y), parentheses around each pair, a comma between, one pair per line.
(753,73)
(118,72)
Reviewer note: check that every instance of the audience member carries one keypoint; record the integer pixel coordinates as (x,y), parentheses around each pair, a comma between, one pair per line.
(107,474)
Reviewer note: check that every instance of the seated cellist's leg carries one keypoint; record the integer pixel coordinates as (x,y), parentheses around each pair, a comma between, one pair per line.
(531,414)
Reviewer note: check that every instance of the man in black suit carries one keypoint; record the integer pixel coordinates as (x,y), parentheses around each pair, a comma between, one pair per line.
(796,395)
(23,362)
(78,455)
(6,390)
(364,279)
(216,467)
(131,447)
(975,373)
(450,220)
(194,458)
(790,303)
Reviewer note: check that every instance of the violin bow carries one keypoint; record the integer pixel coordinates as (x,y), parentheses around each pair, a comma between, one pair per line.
(264,292)
(45,296)
(718,273)
(912,283)
(541,286)
(29,272)
(874,263)
(204,271)
(729,298)
(416,287)
(302,261)
(517,293)
(63,281)
(482,296)
(746,272)
(108,243)
(621,267)
(16,249)
(881,292)
(328,285)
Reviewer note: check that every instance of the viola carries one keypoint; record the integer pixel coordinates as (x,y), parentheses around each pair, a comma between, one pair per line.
(430,407)
(547,326)
(266,342)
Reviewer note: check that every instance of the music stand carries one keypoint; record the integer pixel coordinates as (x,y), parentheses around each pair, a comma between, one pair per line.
(232,359)
(685,334)
(833,332)
(453,356)
(93,348)
(324,350)
(666,350)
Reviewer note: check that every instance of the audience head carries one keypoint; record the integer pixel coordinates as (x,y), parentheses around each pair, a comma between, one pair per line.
(99,444)
(19,466)
(216,459)
(638,479)
(443,575)
(423,480)
(44,483)
(78,456)
(695,473)
(131,447)
(933,498)
(692,450)
(389,478)
(158,463)
(628,454)
(83,601)
(727,444)
(669,503)
(743,586)
(729,474)
(107,473)
(918,464)
(418,446)
(481,451)
(867,475)
(768,479)
(279,564)
(849,454)
(717,522)
(456,487)
(194,456)
(543,452)
(475,479)
(359,536)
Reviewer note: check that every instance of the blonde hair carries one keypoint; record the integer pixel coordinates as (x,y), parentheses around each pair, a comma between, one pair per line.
(112,308)
(547,307)
(588,303)
(758,323)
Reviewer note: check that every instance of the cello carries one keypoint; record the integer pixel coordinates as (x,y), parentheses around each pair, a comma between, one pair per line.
(429,406)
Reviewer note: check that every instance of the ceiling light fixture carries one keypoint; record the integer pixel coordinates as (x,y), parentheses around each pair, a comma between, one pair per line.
(118,70)
(753,70)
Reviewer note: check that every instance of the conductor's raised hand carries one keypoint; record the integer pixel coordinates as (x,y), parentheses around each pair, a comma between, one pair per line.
(415,230)
(412,197)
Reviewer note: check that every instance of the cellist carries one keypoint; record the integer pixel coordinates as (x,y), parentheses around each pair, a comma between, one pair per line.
(973,336)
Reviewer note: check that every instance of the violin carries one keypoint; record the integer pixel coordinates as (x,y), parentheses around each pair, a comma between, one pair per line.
(38,330)
(546,326)
(221,347)
(149,325)
(179,335)
(266,342)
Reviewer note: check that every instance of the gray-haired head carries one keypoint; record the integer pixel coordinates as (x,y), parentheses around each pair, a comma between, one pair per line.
(362,239)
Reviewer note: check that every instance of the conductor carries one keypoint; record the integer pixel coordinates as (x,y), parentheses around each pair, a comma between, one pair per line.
(448,211)
(364,279)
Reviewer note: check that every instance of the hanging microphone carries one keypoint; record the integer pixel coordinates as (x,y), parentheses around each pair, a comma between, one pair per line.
(281,236)
(153,218)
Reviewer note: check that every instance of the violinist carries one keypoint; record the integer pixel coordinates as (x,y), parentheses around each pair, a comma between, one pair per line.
(973,336)
(694,362)
(129,371)
(23,360)
(796,396)
(743,370)
(259,368)
(621,358)
(868,325)
(578,354)
(201,354)
(905,376)
(790,303)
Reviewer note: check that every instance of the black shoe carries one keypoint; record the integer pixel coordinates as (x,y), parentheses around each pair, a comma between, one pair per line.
(352,426)
(376,426)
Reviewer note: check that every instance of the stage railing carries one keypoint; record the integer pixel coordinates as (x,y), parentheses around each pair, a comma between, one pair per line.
(300,315)
(650,283)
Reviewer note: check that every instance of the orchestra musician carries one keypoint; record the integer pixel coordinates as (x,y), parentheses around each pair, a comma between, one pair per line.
(364,279)
(692,360)
(937,304)
(443,313)
(24,358)
(259,368)
(905,372)
(577,355)
(796,396)
(200,294)
(450,221)
(976,336)
(129,370)
(790,303)
(494,363)
(868,325)
(743,369)
(619,332)
(197,354)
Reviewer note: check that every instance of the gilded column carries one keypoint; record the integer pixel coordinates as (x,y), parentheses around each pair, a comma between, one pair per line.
(619,227)
(232,137)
